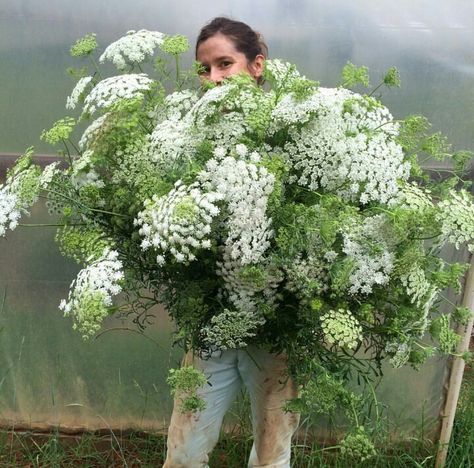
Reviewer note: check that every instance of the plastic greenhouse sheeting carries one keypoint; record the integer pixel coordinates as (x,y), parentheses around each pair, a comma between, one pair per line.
(48,375)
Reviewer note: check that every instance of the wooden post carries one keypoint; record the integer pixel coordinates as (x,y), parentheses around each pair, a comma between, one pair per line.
(457,371)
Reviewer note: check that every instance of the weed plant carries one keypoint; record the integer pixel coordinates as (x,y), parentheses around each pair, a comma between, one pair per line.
(20,449)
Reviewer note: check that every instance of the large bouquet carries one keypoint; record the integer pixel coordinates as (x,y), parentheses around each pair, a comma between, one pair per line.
(291,216)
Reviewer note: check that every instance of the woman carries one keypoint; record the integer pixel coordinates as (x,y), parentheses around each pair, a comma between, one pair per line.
(226,47)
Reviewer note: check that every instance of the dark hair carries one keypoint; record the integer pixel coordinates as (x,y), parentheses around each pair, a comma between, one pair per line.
(246,40)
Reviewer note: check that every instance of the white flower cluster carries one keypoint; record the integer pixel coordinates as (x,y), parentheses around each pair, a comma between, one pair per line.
(132,48)
(307,277)
(416,285)
(281,72)
(245,188)
(178,223)
(372,265)
(243,291)
(231,329)
(48,174)
(172,141)
(9,209)
(93,131)
(76,93)
(456,218)
(134,163)
(91,293)
(353,154)
(415,197)
(177,104)
(110,90)
(83,173)
(341,328)
(227,110)
(20,191)
(400,353)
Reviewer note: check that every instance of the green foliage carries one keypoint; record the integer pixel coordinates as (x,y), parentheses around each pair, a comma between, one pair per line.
(340,273)
(323,394)
(84,46)
(392,78)
(353,75)
(175,45)
(357,445)
(449,275)
(448,339)
(461,158)
(184,383)
(22,163)
(81,243)
(302,88)
(462,315)
(60,131)
(419,356)
(412,130)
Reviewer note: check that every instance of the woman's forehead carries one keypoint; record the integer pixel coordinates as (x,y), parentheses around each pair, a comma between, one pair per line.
(216,48)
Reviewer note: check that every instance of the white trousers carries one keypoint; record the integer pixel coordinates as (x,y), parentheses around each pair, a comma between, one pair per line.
(192,436)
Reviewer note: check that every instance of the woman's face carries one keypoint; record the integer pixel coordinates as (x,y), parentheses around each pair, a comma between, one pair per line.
(220,59)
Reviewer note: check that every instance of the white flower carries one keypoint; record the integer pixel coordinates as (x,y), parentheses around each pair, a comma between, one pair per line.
(179,222)
(245,188)
(48,174)
(91,292)
(456,218)
(110,90)
(132,48)
(81,85)
(347,145)
(370,267)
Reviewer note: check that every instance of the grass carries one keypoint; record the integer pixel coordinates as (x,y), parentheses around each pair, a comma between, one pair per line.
(147,450)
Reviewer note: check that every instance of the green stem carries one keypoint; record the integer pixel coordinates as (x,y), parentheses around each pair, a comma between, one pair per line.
(67,151)
(178,84)
(96,210)
(94,63)
(74,146)
(376,88)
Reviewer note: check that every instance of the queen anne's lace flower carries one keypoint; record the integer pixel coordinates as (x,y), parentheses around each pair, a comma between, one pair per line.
(341,328)
(346,147)
(78,90)
(48,174)
(135,47)
(179,223)
(231,329)
(93,131)
(173,141)
(241,289)
(415,197)
(307,278)
(400,353)
(245,188)
(371,266)
(110,90)
(19,193)
(9,210)
(281,72)
(91,293)
(416,284)
(83,172)
(456,217)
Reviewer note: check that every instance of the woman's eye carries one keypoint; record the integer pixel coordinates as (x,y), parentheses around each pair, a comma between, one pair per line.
(226,64)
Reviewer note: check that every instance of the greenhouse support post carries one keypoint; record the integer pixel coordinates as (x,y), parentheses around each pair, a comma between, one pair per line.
(457,371)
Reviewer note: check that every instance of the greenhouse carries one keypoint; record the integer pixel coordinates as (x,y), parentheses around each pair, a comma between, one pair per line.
(163,211)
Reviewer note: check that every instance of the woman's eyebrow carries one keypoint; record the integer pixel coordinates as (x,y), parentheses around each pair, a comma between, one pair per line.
(224,57)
